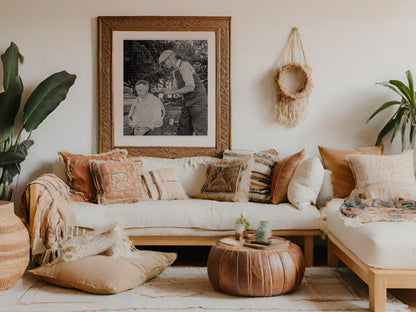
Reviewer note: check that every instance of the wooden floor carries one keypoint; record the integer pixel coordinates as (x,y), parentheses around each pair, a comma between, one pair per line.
(198,255)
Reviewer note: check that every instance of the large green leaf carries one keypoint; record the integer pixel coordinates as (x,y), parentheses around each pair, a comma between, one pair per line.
(9,172)
(398,120)
(16,154)
(383,107)
(10,60)
(45,98)
(403,132)
(13,89)
(412,135)
(411,88)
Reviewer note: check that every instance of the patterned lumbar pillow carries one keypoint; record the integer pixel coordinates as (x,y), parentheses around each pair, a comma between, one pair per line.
(261,172)
(164,184)
(228,179)
(118,181)
(77,169)
(384,177)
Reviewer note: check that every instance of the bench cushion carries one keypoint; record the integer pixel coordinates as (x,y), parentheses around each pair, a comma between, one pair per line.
(384,245)
(195,213)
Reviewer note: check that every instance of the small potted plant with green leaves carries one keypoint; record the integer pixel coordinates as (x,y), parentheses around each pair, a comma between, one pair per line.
(241,225)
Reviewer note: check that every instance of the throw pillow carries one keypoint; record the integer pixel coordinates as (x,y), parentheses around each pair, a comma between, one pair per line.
(327,192)
(106,275)
(384,177)
(77,169)
(306,183)
(261,172)
(228,179)
(336,161)
(164,184)
(282,174)
(118,181)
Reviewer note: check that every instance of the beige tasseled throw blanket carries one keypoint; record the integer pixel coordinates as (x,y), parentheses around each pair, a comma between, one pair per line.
(51,223)
(51,227)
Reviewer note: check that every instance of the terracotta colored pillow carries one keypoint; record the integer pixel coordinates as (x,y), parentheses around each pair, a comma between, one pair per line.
(106,275)
(384,177)
(283,172)
(118,181)
(228,179)
(336,161)
(77,169)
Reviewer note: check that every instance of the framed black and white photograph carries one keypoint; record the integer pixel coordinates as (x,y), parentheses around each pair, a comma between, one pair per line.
(164,85)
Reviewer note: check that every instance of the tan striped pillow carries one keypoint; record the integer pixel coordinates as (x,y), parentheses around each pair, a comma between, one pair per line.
(167,184)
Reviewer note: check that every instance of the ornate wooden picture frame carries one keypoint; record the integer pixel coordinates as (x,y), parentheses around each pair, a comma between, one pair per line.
(133,50)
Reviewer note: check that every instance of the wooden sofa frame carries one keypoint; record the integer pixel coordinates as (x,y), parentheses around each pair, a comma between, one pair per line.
(378,280)
(306,236)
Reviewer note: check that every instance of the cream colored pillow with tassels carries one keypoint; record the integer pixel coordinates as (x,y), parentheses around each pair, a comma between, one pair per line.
(384,177)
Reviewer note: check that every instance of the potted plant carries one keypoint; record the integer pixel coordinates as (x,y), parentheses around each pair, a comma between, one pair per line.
(241,225)
(41,102)
(404,117)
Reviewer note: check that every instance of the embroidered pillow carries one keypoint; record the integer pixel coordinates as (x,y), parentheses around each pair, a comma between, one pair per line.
(164,184)
(384,177)
(118,181)
(261,172)
(77,169)
(282,174)
(106,275)
(336,161)
(228,179)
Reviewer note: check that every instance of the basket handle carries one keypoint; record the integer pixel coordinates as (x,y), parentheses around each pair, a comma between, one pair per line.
(293,49)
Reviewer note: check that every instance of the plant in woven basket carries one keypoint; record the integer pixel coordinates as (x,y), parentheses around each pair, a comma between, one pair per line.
(404,118)
(41,102)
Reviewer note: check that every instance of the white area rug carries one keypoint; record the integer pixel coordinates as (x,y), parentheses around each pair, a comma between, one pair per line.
(188,289)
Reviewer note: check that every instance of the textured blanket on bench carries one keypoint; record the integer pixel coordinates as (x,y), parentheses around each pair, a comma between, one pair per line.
(359,210)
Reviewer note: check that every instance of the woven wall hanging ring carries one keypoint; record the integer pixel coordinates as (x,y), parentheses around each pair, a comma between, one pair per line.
(293,82)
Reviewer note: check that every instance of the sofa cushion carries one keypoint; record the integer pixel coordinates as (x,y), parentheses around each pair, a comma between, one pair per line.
(77,170)
(196,214)
(168,184)
(106,275)
(385,245)
(191,170)
(118,181)
(336,161)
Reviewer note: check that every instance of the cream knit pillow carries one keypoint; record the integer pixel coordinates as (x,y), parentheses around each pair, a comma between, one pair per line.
(384,177)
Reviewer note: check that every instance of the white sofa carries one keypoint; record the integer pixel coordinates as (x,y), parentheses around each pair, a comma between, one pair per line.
(194,221)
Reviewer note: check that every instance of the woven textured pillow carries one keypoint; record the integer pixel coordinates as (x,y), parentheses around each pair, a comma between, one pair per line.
(118,181)
(106,275)
(228,179)
(384,177)
(336,161)
(77,169)
(283,172)
(261,172)
(164,184)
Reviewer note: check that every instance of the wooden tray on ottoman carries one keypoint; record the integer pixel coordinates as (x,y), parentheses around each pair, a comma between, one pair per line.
(244,271)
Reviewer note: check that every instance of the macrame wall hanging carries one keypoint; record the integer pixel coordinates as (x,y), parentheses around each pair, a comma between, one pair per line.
(293,81)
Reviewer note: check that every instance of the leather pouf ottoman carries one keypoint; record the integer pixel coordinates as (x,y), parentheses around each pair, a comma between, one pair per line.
(246,271)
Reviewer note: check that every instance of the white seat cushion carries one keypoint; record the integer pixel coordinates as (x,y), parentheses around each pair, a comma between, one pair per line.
(195,213)
(385,245)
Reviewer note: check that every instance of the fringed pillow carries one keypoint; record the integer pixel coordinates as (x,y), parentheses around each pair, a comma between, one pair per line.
(228,179)
(77,169)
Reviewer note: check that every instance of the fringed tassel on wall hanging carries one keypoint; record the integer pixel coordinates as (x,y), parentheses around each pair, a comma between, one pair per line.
(293,81)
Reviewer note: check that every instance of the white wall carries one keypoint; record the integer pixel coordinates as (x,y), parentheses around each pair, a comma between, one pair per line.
(350,45)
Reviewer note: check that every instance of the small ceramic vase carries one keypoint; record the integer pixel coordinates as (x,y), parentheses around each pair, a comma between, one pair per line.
(263,231)
(239,230)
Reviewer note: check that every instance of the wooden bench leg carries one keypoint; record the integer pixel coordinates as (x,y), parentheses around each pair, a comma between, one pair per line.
(377,292)
(308,250)
(333,260)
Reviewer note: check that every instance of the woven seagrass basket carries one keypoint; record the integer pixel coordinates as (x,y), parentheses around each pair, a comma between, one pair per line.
(14,246)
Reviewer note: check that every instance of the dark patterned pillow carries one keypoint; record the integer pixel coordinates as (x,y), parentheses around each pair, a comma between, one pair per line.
(228,179)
